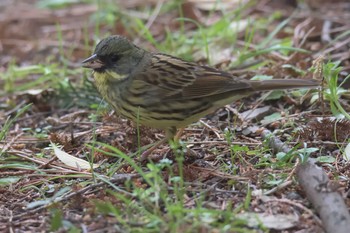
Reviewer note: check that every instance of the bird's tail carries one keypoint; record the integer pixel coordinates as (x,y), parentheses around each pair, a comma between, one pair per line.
(280,84)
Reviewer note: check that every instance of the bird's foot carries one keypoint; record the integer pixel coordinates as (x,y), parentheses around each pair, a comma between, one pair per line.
(146,154)
(182,152)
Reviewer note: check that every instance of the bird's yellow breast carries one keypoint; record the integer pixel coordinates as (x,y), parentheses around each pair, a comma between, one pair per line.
(111,88)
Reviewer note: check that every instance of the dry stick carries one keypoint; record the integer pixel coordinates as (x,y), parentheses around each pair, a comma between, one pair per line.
(119,179)
(212,129)
(329,204)
(9,144)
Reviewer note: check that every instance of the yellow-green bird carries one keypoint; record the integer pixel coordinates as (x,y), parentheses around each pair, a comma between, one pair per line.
(166,92)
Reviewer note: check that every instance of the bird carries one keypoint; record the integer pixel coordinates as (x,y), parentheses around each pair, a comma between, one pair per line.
(166,92)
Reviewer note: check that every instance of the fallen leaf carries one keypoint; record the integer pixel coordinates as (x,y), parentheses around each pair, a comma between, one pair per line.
(276,221)
(72,161)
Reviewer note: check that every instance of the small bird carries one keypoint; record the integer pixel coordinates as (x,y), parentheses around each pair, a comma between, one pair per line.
(166,92)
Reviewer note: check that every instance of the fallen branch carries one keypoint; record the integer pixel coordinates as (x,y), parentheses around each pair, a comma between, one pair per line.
(328,202)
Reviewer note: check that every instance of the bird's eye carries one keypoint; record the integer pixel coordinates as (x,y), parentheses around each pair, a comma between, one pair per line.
(115,58)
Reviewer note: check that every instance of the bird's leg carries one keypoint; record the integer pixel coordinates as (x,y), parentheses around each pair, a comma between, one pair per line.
(189,153)
(169,135)
(178,134)
(175,140)
(172,135)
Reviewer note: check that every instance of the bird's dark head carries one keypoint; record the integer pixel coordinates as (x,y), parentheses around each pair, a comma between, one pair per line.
(114,54)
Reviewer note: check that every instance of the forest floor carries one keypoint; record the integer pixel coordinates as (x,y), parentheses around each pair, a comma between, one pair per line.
(52,118)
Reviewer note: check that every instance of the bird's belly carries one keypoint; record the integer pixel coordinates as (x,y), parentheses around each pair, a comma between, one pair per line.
(164,114)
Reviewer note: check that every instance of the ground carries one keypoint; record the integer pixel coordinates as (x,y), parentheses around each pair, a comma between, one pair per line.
(248,167)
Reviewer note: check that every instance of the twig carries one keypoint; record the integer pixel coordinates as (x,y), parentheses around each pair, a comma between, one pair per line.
(8,145)
(119,179)
(44,162)
(219,174)
(151,19)
(212,129)
(336,46)
(225,142)
(278,187)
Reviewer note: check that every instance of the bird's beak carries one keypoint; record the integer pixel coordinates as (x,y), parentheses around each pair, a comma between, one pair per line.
(92,62)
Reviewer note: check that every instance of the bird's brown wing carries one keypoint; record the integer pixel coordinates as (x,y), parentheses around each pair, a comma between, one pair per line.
(173,78)
(210,82)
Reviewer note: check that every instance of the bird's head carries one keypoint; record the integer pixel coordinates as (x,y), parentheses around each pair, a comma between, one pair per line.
(114,54)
